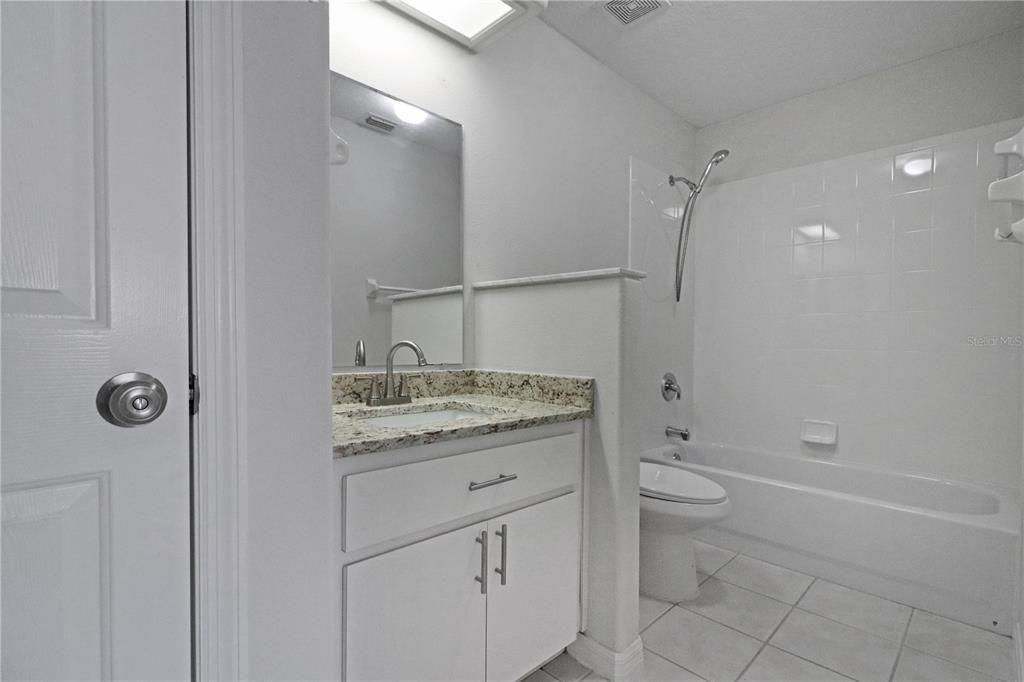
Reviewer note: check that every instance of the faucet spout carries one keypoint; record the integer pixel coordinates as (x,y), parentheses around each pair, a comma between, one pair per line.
(390,397)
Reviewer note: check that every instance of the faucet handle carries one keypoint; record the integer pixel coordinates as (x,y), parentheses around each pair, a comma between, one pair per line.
(403,386)
(374,397)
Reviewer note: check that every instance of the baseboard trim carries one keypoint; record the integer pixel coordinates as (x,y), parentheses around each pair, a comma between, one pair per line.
(1018,651)
(612,665)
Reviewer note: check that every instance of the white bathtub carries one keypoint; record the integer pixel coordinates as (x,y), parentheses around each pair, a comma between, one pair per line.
(942,546)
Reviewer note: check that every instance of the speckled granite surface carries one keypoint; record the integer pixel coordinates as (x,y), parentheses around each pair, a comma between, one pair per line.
(353,388)
(545,388)
(503,401)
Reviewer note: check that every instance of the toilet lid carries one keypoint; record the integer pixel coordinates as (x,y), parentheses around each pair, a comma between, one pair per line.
(678,485)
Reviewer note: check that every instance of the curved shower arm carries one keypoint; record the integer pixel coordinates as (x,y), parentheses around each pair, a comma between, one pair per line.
(684,238)
(672,180)
(684,224)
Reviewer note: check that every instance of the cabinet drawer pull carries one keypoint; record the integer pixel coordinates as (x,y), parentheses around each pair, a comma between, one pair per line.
(503,571)
(494,481)
(482,578)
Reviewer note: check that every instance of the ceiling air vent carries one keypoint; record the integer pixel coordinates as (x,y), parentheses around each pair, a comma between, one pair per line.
(379,123)
(628,12)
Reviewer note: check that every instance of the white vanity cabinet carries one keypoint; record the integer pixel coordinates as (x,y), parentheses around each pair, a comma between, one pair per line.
(477,584)
(535,611)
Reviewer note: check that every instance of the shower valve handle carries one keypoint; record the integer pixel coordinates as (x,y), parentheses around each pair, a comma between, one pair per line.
(670,387)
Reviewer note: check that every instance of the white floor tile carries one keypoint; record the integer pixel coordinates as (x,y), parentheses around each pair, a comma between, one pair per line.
(915,666)
(767,579)
(861,610)
(775,665)
(962,644)
(651,609)
(749,612)
(538,676)
(700,645)
(838,647)
(565,668)
(656,669)
(710,558)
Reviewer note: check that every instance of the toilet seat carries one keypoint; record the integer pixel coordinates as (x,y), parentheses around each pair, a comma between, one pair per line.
(678,485)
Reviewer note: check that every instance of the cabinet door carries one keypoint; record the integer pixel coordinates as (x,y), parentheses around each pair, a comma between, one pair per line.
(417,613)
(536,612)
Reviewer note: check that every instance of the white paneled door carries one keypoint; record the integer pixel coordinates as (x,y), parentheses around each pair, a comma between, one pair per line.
(95,555)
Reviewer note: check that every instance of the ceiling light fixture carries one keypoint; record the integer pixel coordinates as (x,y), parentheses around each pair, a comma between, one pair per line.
(469,22)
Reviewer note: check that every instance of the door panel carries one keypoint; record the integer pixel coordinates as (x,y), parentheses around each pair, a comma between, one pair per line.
(56,567)
(417,613)
(95,575)
(535,614)
(53,160)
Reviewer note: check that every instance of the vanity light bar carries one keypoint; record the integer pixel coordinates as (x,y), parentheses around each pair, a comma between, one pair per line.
(470,23)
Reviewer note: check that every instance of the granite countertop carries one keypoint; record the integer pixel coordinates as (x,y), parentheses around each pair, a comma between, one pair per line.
(516,406)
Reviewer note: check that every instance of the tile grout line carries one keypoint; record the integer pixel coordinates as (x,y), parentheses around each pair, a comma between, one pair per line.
(681,667)
(852,627)
(795,655)
(764,643)
(903,640)
(648,626)
(956,663)
(792,607)
(640,634)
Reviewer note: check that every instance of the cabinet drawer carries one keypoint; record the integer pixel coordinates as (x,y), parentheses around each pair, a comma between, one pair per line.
(387,503)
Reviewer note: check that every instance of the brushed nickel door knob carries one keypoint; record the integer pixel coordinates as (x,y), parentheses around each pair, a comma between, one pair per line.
(131,399)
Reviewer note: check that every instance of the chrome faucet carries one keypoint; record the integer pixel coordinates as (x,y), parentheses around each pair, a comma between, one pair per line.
(360,353)
(391,397)
(674,432)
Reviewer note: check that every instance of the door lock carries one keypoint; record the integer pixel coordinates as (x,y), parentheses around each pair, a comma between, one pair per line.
(131,399)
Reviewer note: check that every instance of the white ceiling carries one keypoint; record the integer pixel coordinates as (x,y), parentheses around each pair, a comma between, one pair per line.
(711,61)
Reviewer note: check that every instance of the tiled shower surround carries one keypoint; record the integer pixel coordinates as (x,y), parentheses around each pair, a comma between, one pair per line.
(869,291)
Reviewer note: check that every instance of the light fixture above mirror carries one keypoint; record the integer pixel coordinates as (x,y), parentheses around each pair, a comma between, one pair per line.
(469,22)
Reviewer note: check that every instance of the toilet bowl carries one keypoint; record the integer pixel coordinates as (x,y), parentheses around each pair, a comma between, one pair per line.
(674,502)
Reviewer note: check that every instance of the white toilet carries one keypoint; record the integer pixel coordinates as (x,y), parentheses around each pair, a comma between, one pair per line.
(674,502)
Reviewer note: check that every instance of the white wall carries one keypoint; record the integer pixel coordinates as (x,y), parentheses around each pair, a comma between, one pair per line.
(659,331)
(435,321)
(577,328)
(961,88)
(548,134)
(291,622)
(396,208)
(880,323)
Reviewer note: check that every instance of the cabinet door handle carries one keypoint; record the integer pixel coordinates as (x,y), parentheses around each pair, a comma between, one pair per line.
(503,571)
(482,578)
(494,481)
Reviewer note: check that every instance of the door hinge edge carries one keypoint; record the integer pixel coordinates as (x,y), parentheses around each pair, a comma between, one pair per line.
(193,394)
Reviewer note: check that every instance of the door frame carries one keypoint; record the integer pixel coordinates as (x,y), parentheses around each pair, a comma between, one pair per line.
(218,357)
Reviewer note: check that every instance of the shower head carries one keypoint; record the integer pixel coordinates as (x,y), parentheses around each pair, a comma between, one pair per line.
(695,187)
(716,159)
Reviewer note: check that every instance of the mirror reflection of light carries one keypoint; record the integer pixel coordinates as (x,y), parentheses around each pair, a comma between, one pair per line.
(817,233)
(673,212)
(810,232)
(409,113)
(917,167)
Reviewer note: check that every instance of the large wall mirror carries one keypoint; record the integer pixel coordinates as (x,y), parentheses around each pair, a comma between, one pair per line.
(396,228)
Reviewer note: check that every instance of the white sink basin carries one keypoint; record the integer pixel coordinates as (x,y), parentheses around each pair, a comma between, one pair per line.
(417,419)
